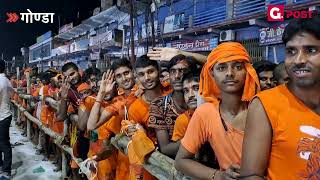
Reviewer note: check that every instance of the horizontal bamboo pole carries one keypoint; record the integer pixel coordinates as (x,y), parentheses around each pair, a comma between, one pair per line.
(50,101)
(58,139)
(157,164)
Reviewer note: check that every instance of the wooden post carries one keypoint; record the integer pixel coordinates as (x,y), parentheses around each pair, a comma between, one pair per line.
(132,57)
(18,116)
(28,103)
(63,154)
(147,26)
(14,114)
(153,37)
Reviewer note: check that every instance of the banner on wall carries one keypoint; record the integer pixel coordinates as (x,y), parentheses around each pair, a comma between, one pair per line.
(79,45)
(271,35)
(174,23)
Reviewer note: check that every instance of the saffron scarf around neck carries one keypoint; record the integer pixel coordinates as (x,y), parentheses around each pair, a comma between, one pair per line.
(226,52)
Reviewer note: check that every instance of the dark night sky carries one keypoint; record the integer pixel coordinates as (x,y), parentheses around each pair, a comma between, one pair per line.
(14,36)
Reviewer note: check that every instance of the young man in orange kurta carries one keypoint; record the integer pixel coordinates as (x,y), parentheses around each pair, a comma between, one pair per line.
(56,126)
(68,106)
(165,110)
(147,73)
(122,72)
(105,168)
(190,85)
(282,139)
(44,115)
(227,81)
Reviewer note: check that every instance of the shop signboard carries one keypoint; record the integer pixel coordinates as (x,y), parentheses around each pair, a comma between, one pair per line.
(196,44)
(271,35)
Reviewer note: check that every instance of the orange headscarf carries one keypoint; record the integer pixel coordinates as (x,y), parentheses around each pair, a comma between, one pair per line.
(226,52)
(83,87)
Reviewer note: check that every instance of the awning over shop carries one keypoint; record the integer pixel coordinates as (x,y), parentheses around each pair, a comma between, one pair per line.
(105,17)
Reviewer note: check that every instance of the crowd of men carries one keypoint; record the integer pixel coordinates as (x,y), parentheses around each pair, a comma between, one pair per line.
(219,117)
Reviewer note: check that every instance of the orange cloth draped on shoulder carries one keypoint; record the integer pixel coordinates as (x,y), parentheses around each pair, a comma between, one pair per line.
(109,128)
(226,52)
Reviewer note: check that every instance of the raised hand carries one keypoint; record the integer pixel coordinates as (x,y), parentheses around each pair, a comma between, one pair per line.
(65,87)
(163,54)
(107,83)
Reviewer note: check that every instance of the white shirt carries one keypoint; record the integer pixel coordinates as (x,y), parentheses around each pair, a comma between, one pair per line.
(5,94)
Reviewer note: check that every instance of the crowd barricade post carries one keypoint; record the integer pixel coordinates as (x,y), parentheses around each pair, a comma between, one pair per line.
(63,154)
(28,105)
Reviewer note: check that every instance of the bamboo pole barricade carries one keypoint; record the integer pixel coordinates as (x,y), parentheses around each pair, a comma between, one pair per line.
(58,139)
(157,164)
